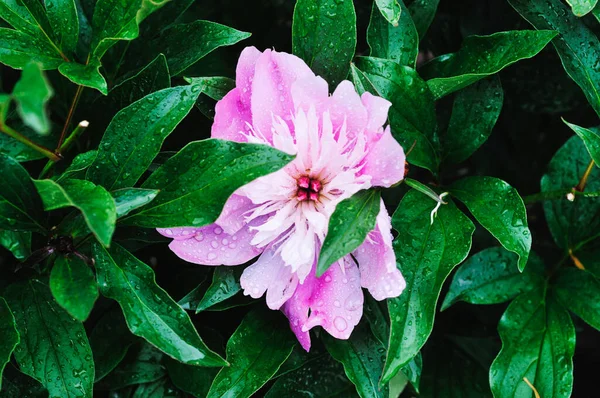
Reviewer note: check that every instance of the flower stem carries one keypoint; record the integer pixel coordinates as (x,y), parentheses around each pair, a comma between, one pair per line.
(69,117)
(24,140)
(559,194)
(581,186)
(66,145)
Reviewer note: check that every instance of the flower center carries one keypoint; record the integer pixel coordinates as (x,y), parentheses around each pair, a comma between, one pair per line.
(308,189)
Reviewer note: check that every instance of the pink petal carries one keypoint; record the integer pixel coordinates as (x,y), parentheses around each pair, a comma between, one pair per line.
(244,73)
(210,245)
(345,104)
(377,261)
(377,110)
(269,274)
(231,218)
(271,88)
(312,90)
(337,300)
(297,308)
(385,160)
(180,233)
(231,118)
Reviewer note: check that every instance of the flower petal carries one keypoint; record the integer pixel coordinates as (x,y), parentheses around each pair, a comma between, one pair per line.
(309,91)
(231,218)
(377,110)
(377,261)
(232,117)
(297,308)
(337,300)
(345,105)
(385,160)
(244,73)
(181,233)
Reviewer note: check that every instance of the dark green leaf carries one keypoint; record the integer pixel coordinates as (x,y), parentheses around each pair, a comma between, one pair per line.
(135,135)
(412,115)
(17,242)
(426,254)
(9,336)
(18,49)
(362,356)
(538,342)
(474,114)
(255,351)
(78,166)
(492,276)
(399,43)
(391,10)
(20,205)
(571,223)
(215,87)
(191,379)
(591,139)
(143,364)
(129,199)
(84,75)
(5,100)
(31,93)
(17,384)
(196,182)
(54,348)
(577,46)
(349,225)
(95,203)
(361,81)
(225,284)
(324,36)
(499,209)
(422,12)
(578,290)
(150,312)
(62,15)
(73,286)
(481,56)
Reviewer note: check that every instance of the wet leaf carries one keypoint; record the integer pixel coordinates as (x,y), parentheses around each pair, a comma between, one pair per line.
(32,93)
(577,290)
(324,36)
(17,242)
(498,208)
(391,10)
(84,75)
(143,364)
(78,166)
(591,139)
(73,286)
(9,336)
(215,87)
(129,199)
(194,380)
(63,18)
(18,49)
(422,12)
(582,7)
(225,284)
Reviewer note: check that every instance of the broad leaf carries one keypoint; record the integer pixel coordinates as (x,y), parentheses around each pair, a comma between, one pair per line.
(255,351)
(149,311)
(538,342)
(21,152)
(591,139)
(492,276)
(481,56)
(143,364)
(422,12)
(362,356)
(9,336)
(31,93)
(215,87)
(324,36)
(73,286)
(577,290)
(426,254)
(474,113)
(499,209)
(18,384)
(576,44)
(194,380)
(85,75)
(95,203)
(582,7)
(63,18)
(349,225)
(391,10)
(78,166)
(225,284)
(18,49)
(129,199)
(20,205)
(412,115)
(398,43)
(135,135)
(54,348)
(17,242)
(196,182)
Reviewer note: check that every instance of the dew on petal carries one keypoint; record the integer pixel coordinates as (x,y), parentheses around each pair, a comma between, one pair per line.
(340,323)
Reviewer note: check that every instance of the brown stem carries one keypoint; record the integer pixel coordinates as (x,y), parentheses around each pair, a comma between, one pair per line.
(69,117)
(24,140)
(581,186)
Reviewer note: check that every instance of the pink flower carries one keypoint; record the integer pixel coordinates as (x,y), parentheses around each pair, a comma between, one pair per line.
(341,147)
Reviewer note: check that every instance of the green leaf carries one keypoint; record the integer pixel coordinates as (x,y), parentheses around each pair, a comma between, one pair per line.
(481,56)
(73,286)
(362,356)
(185,44)
(149,311)
(54,348)
(196,182)
(474,114)
(20,205)
(538,342)
(399,43)
(582,7)
(412,115)
(499,209)
(17,242)
(18,49)
(361,81)
(255,352)
(191,379)
(63,18)
(135,135)
(422,12)
(579,60)
(95,203)
(129,199)
(85,75)
(225,284)
(426,254)
(324,36)
(215,87)
(143,364)
(349,225)
(9,336)
(391,10)
(577,290)
(21,152)
(591,139)
(78,166)
(31,93)
(492,277)
(110,340)
(572,224)
(17,384)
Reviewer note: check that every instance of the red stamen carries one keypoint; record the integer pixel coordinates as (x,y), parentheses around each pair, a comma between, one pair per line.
(302,195)
(315,186)
(313,196)
(304,182)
